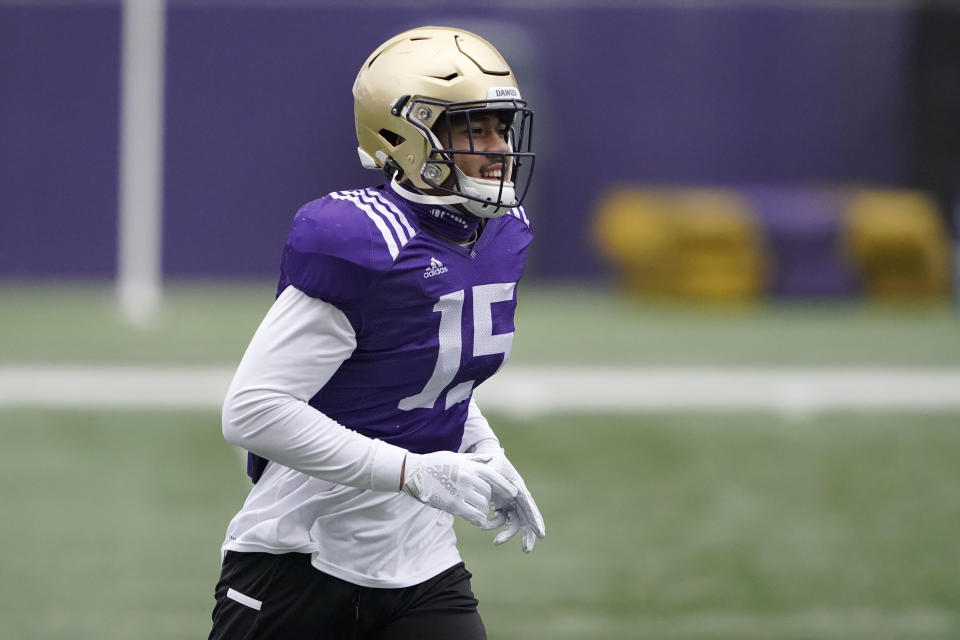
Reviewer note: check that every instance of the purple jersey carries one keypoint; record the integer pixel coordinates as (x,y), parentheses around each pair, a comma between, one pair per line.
(432,319)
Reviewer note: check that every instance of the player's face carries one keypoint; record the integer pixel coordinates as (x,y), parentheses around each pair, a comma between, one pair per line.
(488,134)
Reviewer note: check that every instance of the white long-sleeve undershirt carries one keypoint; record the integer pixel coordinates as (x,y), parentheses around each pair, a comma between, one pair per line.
(478,436)
(298,347)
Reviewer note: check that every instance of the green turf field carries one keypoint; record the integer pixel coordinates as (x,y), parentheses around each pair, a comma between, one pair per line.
(739,526)
(213,323)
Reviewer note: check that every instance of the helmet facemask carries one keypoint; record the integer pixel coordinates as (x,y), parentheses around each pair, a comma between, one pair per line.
(485,197)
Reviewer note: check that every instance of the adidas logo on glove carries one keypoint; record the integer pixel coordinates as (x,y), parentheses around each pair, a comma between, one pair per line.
(446,475)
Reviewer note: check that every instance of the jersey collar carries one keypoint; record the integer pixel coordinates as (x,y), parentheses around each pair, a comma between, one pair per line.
(436,216)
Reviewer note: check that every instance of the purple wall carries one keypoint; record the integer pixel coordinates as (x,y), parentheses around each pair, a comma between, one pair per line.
(259,116)
(59,75)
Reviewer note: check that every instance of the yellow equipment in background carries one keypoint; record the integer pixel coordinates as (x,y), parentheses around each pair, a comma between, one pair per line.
(691,243)
(899,243)
(711,244)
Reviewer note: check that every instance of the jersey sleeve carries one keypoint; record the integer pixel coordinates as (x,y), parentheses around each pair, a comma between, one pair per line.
(335,251)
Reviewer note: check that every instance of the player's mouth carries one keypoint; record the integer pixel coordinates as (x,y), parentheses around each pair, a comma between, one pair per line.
(492,171)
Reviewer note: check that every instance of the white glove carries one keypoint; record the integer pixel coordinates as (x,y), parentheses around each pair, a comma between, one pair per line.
(458,483)
(515,514)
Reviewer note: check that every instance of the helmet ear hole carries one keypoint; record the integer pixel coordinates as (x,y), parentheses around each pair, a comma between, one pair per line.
(391,138)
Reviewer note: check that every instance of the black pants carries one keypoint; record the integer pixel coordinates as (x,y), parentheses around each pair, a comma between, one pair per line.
(262,596)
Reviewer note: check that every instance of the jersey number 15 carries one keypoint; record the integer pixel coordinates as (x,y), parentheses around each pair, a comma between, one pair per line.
(485,343)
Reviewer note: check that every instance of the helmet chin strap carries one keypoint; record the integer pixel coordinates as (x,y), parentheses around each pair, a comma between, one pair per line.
(423,198)
(471,186)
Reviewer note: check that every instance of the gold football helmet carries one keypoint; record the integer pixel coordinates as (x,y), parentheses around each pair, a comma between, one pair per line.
(440,75)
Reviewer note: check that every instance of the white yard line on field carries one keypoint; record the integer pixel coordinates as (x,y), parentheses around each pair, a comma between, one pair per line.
(528,390)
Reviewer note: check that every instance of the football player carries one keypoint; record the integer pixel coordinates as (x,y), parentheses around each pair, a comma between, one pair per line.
(355,395)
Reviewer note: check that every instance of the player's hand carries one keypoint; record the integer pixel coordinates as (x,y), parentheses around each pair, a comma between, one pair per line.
(458,483)
(517,514)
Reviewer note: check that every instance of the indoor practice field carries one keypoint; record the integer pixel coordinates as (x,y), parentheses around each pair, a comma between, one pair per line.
(666,524)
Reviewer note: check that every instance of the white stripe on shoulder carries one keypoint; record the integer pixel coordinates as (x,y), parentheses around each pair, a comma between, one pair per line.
(374,216)
(390,205)
(520,214)
(392,217)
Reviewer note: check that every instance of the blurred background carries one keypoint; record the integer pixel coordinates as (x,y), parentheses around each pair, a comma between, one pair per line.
(735,386)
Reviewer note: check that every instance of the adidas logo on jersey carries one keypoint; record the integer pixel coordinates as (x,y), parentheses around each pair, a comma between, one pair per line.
(436,268)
